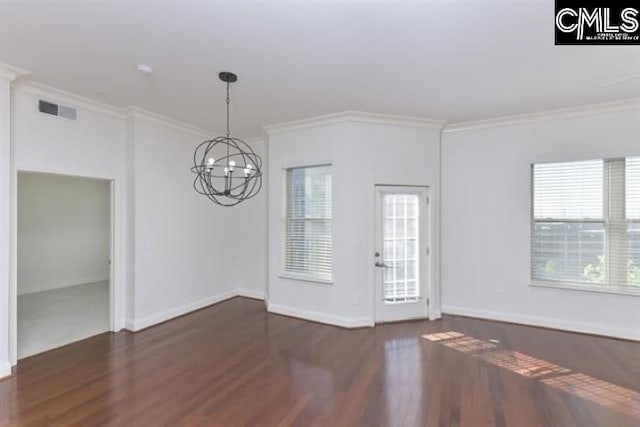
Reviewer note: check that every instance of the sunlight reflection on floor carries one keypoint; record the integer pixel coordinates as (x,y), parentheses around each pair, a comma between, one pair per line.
(601,392)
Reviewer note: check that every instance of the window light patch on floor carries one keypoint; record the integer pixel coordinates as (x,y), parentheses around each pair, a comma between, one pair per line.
(443,336)
(522,364)
(612,396)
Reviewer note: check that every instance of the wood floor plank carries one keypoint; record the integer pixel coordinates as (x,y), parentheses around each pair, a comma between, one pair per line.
(233,364)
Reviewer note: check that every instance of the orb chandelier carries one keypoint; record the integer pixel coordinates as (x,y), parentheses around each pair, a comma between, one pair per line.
(227,170)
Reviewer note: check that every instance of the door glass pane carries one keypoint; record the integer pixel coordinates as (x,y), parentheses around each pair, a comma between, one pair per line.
(388,227)
(401,203)
(400,228)
(400,231)
(412,248)
(400,253)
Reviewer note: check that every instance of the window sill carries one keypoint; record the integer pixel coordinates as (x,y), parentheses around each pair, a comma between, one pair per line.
(306,278)
(587,288)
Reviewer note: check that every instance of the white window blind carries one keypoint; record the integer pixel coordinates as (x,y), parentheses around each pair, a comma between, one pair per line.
(633,188)
(308,240)
(632,215)
(583,231)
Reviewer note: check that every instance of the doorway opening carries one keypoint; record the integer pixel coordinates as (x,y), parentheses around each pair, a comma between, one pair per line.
(64,240)
(402,251)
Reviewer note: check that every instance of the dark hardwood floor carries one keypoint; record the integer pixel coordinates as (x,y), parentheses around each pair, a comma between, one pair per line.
(233,364)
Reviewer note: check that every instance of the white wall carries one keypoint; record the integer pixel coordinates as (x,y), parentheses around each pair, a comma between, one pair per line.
(5,223)
(180,257)
(486,221)
(362,153)
(63,231)
(246,262)
(188,252)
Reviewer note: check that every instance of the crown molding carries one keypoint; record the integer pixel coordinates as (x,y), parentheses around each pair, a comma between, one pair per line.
(159,119)
(355,117)
(10,73)
(562,113)
(254,140)
(64,97)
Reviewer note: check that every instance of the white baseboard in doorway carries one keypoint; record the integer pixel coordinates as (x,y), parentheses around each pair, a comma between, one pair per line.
(435,315)
(42,287)
(344,322)
(5,369)
(564,325)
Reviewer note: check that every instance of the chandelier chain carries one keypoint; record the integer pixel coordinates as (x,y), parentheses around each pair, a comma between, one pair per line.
(228,101)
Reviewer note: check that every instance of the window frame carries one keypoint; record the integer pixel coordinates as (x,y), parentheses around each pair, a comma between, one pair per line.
(314,278)
(606,287)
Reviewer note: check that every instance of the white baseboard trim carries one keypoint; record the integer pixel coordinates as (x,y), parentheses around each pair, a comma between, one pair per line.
(587,328)
(250,294)
(145,322)
(5,369)
(42,287)
(344,322)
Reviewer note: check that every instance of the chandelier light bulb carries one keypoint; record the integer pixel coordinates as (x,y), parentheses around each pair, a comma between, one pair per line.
(226,171)
(231,165)
(211,161)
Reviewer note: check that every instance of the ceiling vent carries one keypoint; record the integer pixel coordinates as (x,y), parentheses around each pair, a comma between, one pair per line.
(57,110)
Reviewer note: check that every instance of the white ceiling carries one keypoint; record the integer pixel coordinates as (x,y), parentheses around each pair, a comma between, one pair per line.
(451,60)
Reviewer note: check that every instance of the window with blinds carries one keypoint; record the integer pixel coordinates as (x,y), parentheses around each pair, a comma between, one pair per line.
(308,217)
(586,223)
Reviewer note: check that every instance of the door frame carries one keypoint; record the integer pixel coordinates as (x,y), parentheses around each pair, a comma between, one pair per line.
(116,284)
(433,311)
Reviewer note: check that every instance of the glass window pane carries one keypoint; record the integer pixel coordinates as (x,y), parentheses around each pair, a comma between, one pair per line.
(634,254)
(569,252)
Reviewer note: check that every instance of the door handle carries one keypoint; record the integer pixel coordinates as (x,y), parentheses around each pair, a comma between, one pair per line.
(381,265)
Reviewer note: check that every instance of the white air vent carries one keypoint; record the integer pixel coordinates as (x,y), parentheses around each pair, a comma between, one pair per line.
(57,110)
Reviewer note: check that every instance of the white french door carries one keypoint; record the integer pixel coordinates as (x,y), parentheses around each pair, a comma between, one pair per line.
(401,254)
